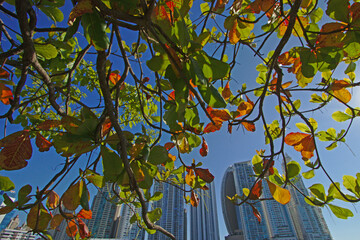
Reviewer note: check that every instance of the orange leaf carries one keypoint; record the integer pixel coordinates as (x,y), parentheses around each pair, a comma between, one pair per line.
(204,148)
(42,143)
(71,229)
(85,214)
(213,127)
(340,92)
(230,128)
(16,150)
(172,157)
(256,191)
(52,200)
(169,145)
(245,107)
(105,127)
(295,138)
(280,194)
(302,142)
(114,77)
(220,4)
(4,73)
(204,174)
(234,34)
(5,94)
(190,177)
(256,213)
(249,126)
(355,11)
(56,221)
(194,200)
(226,93)
(47,124)
(83,6)
(286,59)
(83,229)
(171,96)
(218,115)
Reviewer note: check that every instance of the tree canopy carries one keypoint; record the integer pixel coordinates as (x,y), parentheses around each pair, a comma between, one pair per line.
(133,85)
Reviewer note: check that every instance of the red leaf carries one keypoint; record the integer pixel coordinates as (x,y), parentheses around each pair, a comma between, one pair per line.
(256,213)
(83,229)
(204,174)
(256,191)
(213,127)
(169,145)
(47,124)
(16,150)
(114,78)
(71,229)
(5,94)
(194,200)
(333,36)
(230,128)
(270,167)
(204,148)
(85,214)
(42,143)
(355,12)
(171,96)
(249,126)
(145,80)
(218,115)
(4,73)
(226,93)
(105,127)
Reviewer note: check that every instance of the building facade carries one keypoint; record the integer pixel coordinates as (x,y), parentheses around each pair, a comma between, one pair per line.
(173,217)
(203,219)
(6,219)
(125,230)
(295,220)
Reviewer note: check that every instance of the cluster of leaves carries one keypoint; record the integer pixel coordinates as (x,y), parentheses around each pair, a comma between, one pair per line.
(188,94)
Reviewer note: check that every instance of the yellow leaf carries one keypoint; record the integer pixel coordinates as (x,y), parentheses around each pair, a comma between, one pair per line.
(234,34)
(71,198)
(190,178)
(280,194)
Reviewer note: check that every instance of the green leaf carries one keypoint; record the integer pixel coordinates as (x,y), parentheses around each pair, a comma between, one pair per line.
(340,212)
(318,191)
(84,200)
(257,163)
(212,96)
(351,184)
(316,15)
(52,12)
(158,155)
(350,68)
(112,164)
(155,215)
(158,63)
(293,169)
(204,7)
(23,194)
(95,30)
(6,184)
(156,197)
(70,144)
(95,178)
(340,116)
(308,174)
(48,51)
(303,127)
(338,10)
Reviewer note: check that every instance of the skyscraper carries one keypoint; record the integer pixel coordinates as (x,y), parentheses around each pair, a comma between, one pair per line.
(6,219)
(173,217)
(203,219)
(125,230)
(295,220)
(105,214)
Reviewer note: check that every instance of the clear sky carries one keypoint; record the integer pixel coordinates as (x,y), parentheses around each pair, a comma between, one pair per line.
(226,149)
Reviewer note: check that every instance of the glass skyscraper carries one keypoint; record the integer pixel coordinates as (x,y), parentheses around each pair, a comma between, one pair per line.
(125,230)
(203,219)
(173,217)
(6,219)
(295,220)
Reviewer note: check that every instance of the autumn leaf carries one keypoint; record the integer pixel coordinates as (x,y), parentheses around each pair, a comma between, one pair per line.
(16,150)
(269,165)
(56,221)
(226,93)
(194,200)
(249,126)
(262,5)
(48,124)
(355,12)
(183,143)
(85,214)
(256,213)
(280,194)
(114,77)
(5,94)
(331,35)
(83,229)
(204,174)
(218,115)
(234,33)
(38,218)
(71,228)
(256,191)
(302,142)
(42,143)
(169,145)
(52,200)
(204,148)
(339,91)
(220,4)
(4,73)
(245,108)
(286,59)
(230,128)
(213,127)
(190,177)
(83,6)
(105,127)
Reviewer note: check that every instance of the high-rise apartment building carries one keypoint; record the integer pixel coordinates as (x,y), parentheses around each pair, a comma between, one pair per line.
(6,219)
(173,217)
(203,219)
(104,214)
(125,230)
(295,220)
